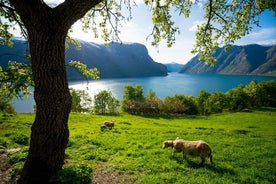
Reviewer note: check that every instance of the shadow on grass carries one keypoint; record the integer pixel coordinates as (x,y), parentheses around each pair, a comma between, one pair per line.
(219,169)
(266,109)
(196,165)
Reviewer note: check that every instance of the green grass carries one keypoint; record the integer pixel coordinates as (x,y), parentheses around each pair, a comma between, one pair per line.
(244,146)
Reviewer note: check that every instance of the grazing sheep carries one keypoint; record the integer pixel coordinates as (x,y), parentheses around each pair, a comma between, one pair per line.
(193,148)
(103,127)
(109,124)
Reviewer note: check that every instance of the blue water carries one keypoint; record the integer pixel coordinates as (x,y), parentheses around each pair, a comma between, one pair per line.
(174,83)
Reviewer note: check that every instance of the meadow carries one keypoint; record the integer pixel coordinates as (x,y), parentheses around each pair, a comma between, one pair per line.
(243,144)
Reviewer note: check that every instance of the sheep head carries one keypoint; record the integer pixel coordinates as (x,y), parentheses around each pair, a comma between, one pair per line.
(167,144)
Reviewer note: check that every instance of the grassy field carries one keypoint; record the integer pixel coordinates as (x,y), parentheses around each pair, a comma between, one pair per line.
(243,143)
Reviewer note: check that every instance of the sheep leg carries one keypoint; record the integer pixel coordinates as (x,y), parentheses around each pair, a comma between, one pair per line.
(202,162)
(183,154)
(211,158)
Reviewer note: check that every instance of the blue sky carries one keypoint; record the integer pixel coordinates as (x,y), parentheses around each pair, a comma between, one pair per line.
(140,27)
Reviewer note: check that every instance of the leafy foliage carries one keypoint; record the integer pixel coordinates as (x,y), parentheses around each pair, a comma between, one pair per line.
(132,98)
(180,104)
(201,98)
(226,22)
(270,93)
(16,79)
(81,101)
(89,73)
(237,99)
(105,103)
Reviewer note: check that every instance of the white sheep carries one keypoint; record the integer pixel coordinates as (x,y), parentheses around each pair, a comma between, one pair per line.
(193,148)
(109,124)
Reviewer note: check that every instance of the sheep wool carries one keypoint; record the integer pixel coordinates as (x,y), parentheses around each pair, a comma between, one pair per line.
(193,148)
(109,124)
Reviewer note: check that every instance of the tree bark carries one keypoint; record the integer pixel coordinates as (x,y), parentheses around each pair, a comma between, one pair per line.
(47,29)
(50,132)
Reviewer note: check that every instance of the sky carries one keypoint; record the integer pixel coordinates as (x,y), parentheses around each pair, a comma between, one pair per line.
(140,26)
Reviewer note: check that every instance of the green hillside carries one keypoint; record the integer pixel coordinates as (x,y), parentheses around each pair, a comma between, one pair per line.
(243,146)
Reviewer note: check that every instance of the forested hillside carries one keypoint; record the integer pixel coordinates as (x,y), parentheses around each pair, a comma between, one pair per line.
(250,59)
(113,61)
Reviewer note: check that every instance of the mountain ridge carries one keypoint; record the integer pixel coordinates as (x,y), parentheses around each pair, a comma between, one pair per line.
(250,59)
(113,61)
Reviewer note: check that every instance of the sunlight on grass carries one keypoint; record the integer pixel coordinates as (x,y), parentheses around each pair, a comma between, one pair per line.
(243,146)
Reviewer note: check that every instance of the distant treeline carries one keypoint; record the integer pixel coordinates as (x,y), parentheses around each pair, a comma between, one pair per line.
(241,98)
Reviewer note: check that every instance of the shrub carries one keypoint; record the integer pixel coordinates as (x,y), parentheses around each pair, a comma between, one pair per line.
(269,99)
(74,174)
(180,104)
(132,99)
(201,99)
(81,101)
(105,103)
(255,93)
(216,103)
(153,104)
(238,99)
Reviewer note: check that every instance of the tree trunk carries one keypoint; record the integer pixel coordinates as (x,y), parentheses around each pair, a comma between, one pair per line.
(50,132)
(47,29)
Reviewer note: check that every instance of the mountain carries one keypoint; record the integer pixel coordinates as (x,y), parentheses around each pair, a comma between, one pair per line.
(113,61)
(173,67)
(249,59)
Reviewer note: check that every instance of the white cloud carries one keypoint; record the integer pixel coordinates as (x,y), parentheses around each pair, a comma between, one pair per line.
(267,42)
(195,24)
(263,33)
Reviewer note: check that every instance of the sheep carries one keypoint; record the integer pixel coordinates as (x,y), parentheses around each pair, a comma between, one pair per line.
(169,143)
(103,127)
(109,124)
(193,148)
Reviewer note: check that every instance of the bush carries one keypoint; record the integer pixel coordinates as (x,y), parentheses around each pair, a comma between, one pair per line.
(216,103)
(201,99)
(238,99)
(105,103)
(74,174)
(81,101)
(132,99)
(270,93)
(180,104)
(255,93)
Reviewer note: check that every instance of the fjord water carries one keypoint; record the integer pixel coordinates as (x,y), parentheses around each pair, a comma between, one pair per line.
(174,83)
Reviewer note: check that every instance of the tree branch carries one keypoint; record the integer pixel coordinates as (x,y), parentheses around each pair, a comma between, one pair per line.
(70,11)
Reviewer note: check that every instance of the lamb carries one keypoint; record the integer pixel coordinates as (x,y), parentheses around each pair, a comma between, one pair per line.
(193,148)
(109,124)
